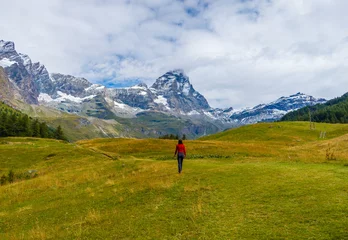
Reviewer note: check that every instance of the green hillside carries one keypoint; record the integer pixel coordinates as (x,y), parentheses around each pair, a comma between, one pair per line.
(279,132)
(14,123)
(333,111)
(263,181)
(75,127)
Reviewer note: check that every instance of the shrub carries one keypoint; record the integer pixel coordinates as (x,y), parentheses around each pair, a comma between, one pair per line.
(11,176)
(330,154)
(3,180)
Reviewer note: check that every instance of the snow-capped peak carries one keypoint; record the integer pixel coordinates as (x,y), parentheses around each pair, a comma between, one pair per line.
(275,110)
(175,81)
(294,100)
(6,46)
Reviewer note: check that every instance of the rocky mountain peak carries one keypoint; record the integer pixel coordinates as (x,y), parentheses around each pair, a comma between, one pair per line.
(68,79)
(6,46)
(175,87)
(174,81)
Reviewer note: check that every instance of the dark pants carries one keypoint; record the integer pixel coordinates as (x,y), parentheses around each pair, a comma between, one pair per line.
(180,161)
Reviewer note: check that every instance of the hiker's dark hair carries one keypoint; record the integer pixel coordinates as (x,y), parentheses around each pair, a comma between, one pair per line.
(180,141)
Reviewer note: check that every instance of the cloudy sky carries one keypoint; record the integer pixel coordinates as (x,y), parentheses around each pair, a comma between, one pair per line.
(236,53)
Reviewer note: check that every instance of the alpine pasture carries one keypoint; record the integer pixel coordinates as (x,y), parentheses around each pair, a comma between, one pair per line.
(262,181)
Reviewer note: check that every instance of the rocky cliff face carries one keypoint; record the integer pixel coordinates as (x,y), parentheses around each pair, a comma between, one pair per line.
(71,85)
(21,71)
(139,96)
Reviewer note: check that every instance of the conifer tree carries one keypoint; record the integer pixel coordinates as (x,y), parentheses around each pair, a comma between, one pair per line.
(26,126)
(43,130)
(59,133)
(3,120)
(35,128)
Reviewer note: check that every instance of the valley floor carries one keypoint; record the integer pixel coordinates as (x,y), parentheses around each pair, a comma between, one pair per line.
(264,181)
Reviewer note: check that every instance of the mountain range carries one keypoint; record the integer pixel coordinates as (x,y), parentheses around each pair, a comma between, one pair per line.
(170,105)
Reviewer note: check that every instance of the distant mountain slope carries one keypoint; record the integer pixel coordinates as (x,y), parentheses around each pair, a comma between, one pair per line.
(333,111)
(275,110)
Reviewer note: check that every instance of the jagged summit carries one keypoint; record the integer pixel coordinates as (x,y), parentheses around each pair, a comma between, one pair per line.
(175,86)
(6,46)
(173,80)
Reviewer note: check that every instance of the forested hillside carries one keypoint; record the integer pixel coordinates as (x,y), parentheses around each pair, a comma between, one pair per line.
(13,123)
(333,111)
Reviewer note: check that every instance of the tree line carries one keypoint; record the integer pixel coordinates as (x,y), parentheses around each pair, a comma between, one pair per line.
(333,111)
(14,123)
(172,136)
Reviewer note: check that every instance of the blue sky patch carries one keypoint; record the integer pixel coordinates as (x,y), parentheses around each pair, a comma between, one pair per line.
(193,12)
(111,83)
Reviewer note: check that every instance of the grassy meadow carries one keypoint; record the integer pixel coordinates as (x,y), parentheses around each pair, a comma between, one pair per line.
(263,181)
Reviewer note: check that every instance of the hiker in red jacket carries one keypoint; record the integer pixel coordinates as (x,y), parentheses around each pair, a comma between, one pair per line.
(181,151)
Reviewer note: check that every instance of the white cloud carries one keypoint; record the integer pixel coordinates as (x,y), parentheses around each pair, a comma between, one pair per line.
(236,53)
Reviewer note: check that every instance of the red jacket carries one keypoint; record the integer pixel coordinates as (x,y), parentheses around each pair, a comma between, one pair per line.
(180,148)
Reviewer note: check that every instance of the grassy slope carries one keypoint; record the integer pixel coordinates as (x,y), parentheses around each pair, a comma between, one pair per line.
(265,181)
(75,127)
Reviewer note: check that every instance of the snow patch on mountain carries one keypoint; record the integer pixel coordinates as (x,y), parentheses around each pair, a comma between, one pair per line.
(121,109)
(193,112)
(45,98)
(137,87)
(67,97)
(120,105)
(186,88)
(5,62)
(95,87)
(162,100)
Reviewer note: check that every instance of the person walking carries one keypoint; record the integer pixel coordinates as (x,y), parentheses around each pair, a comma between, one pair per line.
(181,151)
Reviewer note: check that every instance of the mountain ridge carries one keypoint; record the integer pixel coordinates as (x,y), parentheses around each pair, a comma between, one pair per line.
(333,111)
(275,110)
(171,94)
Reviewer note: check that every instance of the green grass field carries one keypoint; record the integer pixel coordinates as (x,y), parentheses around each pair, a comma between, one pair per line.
(263,181)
